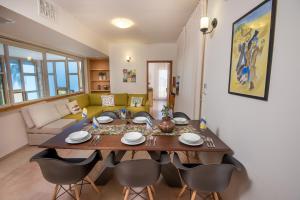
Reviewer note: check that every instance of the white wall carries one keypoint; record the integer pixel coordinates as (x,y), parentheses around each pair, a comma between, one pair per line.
(264,135)
(13,133)
(140,54)
(188,65)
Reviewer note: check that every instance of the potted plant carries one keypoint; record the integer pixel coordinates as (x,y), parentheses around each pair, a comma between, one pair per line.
(166,125)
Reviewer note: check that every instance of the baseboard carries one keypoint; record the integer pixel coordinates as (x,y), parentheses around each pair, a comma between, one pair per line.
(18,149)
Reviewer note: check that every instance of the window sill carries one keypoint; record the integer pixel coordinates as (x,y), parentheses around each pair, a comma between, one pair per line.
(6,108)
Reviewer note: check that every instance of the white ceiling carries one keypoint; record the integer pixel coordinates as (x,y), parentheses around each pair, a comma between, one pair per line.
(156,21)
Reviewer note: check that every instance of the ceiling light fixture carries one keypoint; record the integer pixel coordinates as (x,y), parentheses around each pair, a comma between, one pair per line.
(122,23)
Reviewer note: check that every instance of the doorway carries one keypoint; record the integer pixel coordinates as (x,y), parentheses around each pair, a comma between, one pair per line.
(158,85)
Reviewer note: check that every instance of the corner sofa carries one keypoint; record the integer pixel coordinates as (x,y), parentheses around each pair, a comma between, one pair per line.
(44,120)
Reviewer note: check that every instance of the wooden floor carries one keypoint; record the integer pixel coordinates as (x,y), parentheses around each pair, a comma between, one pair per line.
(22,180)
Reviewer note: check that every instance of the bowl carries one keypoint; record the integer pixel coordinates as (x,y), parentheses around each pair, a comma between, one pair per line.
(79,135)
(190,137)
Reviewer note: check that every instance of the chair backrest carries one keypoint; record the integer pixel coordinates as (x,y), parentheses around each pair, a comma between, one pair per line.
(110,114)
(208,178)
(137,173)
(62,171)
(142,114)
(181,114)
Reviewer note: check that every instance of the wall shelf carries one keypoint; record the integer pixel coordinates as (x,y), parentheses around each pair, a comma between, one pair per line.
(99,67)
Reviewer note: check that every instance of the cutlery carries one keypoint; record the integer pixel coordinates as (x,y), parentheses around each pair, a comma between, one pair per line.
(97,139)
(92,139)
(155,140)
(211,142)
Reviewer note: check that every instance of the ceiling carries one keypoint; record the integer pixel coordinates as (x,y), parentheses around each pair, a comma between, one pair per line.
(42,35)
(156,21)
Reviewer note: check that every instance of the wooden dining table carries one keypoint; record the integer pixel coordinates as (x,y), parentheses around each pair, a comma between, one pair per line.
(113,142)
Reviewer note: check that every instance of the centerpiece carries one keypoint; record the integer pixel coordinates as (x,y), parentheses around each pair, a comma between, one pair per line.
(166,125)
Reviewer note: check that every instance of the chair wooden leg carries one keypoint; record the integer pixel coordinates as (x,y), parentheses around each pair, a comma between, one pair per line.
(55,192)
(92,184)
(124,190)
(132,154)
(216,197)
(76,192)
(152,189)
(126,194)
(194,194)
(182,191)
(149,193)
(187,156)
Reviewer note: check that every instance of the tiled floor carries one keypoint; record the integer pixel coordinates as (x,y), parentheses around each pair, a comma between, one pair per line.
(22,180)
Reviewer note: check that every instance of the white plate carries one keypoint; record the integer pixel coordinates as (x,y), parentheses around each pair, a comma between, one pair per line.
(142,140)
(79,135)
(191,137)
(180,121)
(140,120)
(200,142)
(69,141)
(104,119)
(133,136)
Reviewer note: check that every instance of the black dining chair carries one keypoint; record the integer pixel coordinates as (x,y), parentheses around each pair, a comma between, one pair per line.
(212,178)
(143,114)
(110,114)
(66,171)
(181,114)
(130,174)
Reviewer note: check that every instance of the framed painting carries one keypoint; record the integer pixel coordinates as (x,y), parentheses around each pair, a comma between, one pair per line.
(251,52)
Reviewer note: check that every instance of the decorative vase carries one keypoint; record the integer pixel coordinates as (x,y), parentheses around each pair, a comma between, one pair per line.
(166,125)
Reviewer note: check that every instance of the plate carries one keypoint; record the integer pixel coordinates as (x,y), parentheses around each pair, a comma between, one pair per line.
(200,142)
(180,121)
(190,137)
(142,140)
(139,120)
(133,136)
(69,141)
(104,119)
(78,135)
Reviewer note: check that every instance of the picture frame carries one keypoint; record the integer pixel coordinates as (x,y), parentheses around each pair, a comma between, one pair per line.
(251,52)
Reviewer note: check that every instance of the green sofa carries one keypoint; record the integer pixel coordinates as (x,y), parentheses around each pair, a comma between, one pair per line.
(92,102)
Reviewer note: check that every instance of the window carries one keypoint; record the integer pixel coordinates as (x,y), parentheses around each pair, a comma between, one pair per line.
(27,74)
(2,94)
(23,67)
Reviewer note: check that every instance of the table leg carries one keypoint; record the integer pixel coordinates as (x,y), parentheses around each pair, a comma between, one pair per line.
(106,173)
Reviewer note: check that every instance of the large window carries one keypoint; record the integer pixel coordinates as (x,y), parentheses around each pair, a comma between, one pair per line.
(27,74)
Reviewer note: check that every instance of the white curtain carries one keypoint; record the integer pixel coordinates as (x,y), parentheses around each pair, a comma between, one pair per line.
(158,80)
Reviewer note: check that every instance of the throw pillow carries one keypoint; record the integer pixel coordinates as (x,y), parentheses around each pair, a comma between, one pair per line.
(108,100)
(74,107)
(136,101)
(61,106)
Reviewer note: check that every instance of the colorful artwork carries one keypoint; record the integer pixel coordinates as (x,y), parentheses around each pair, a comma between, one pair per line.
(129,75)
(251,52)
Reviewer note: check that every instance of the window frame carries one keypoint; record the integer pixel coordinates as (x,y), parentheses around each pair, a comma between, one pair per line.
(41,74)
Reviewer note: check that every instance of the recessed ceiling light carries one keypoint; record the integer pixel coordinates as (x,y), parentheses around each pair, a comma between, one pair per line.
(122,22)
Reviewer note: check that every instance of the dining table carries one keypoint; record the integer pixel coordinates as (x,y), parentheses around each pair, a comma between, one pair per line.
(111,134)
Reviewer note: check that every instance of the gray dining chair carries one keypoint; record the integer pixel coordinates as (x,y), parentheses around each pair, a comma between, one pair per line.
(130,174)
(143,114)
(213,178)
(66,171)
(110,114)
(181,114)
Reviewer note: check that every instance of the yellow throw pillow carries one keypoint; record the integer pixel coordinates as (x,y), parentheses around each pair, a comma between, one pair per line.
(74,107)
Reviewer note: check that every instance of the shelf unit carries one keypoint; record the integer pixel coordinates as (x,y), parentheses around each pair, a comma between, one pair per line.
(99,75)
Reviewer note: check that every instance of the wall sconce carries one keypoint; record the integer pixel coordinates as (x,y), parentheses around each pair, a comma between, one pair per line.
(128,58)
(204,24)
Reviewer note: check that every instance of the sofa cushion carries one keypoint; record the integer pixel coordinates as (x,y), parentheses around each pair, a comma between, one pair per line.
(137,95)
(121,99)
(95,99)
(43,114)
(136,101)
(74,107)
(91,112)
(82,100)
(26,116)
(137,109)
(53,128)
(112,108)
(62,108)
